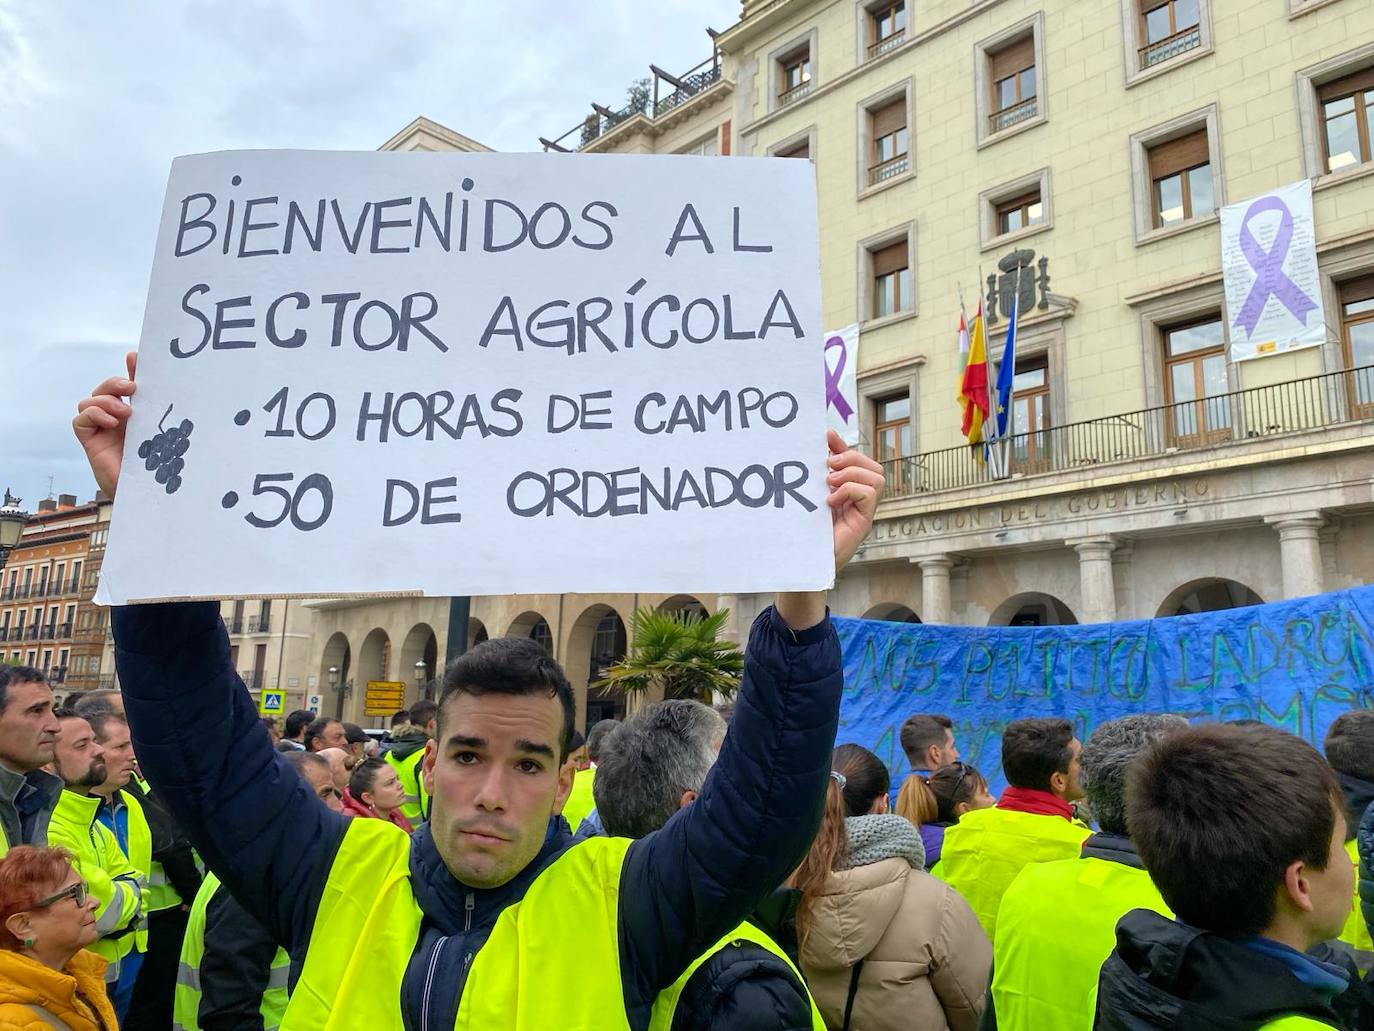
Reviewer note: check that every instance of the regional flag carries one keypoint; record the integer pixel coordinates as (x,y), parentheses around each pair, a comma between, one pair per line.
(973,384)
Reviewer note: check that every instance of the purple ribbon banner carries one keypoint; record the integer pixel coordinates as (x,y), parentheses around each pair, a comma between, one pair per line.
(834,396)
(1270,279)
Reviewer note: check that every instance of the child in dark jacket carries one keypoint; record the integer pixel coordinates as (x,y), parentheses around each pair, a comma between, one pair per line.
(1242,829)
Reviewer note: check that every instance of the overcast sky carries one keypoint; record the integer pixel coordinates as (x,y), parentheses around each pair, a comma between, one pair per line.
(97,98)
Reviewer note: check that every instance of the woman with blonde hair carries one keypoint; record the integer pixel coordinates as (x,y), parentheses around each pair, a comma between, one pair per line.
(936,802)
(47,978)
(883,944)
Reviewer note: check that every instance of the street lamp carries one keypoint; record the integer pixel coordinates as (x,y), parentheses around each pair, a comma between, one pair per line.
(12,520)
(421,676)
(333,678)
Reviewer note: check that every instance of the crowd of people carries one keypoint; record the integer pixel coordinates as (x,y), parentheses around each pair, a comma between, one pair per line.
(689,867)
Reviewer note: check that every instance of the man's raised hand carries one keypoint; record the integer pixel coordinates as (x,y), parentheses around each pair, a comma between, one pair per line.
(100,423)
(855,483)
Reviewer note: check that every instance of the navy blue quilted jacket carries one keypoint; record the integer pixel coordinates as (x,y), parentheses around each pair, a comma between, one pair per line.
(202,747)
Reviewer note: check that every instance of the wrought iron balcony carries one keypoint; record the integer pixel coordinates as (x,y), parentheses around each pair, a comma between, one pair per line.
(651,105)
(64,629)
(887,43)
(890,169)
(31,634)
(1171,46)
(260,625)
(1331,399)
(252,679)
(1014,115)
(5,633)
(235,625)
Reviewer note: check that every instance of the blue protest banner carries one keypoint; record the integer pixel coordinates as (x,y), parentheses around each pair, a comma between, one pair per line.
(1294,664)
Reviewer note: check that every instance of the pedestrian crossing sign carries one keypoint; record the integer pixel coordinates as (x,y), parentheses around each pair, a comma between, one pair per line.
(271,703)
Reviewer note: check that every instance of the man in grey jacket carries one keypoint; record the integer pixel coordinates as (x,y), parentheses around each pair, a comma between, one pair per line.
(28,736)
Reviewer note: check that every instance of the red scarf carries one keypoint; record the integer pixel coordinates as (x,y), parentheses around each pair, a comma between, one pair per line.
(1032,800)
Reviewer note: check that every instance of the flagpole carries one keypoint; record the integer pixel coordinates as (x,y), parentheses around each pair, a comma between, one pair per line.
(992,451)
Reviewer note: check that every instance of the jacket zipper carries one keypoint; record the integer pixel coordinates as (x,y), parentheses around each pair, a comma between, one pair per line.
(469,905)
(429,982)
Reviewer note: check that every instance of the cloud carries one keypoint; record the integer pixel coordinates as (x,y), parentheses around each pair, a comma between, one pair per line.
(96,100)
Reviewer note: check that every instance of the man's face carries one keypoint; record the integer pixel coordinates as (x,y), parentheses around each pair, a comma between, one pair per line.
(496,778)
(338,766)
(119,756)
(1066,785)
(334,736)
(1331,890)
(321,783)
(946,753)
(28,728)
(80,761)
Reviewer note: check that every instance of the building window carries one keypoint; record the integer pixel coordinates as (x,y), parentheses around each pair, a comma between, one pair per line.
(1167,29)
(889,157)
(1357,341)
(541,634)
(1020,213)
(892,440)
(799,150)
(1347,120)
(1030,415)
(891,280)
(887,27)
(1181,179)
(1195,383)
(1013,84)
(706,147)
(795,81)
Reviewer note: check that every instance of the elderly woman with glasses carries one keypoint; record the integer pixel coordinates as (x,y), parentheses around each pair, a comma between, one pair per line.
(47,978)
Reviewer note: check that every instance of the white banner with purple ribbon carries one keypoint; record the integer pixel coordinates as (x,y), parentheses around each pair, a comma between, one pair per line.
(1269,259)
(842,382)
(477,374)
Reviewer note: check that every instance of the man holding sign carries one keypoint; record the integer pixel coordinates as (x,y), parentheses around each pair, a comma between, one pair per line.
(468,923)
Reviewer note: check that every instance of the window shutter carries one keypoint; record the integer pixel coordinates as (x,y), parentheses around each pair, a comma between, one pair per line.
(1361,289)
(889,118)
(1013,58)
(889,259)
(1176,155)
(1344,87)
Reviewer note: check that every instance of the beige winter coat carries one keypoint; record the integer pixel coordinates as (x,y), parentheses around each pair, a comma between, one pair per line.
(926,958)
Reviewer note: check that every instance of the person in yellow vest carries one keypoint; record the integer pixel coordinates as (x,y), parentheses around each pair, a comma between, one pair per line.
(115,883)
(580,801)
(173,877)
(407,753)
(1349,749)
(28,735)
(470,922)
(232,973)
(1033,821)
(658,766)
(1242,830)
(580,811)
(1057,921)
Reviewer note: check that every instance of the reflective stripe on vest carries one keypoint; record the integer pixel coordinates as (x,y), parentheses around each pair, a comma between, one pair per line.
(186,1001)
(1055,928)
(524,978)
(987,848)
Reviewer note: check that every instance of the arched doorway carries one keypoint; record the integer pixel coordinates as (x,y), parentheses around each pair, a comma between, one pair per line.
(685,603)
(419,663)
(477,632)
(535,627)
(1033,609)
(1209,594)
(338,658)
(598,641)
(892,612)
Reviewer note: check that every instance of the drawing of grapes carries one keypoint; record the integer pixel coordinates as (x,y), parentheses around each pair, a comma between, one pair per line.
(166,450)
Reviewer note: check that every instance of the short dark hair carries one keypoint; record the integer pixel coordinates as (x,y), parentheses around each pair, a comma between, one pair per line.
(399,717)
(423,711)
(364,776)
(509,666)
(921,731)
(298,721)
(952,784)
(1218,812)
(1350,745)
(354,734)
(17,675)
(600,733)
(1034,750)
(316,730)
(576,741)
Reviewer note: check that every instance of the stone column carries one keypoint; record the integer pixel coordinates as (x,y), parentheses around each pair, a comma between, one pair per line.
(935,607)
(1097,585)
(1300,552)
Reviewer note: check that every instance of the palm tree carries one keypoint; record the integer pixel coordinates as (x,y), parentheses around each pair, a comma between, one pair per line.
(681,652)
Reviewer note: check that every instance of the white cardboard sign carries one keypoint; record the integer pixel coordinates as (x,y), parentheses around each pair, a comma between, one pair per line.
(477,374)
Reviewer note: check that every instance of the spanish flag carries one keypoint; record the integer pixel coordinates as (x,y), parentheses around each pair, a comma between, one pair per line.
(973,384)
